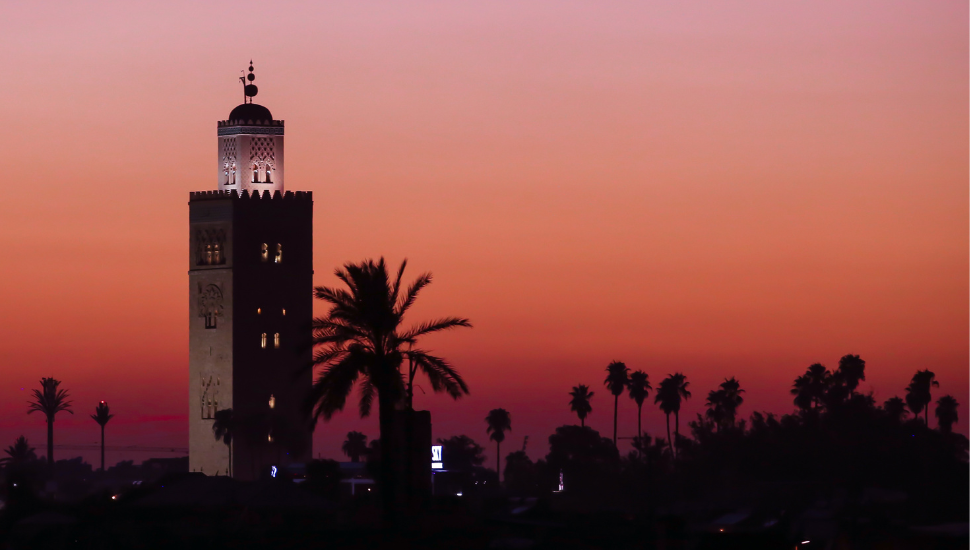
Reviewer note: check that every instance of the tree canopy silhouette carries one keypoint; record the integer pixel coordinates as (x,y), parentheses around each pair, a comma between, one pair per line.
(946,413)
(723,403)
(19,453)
(225,427)
(669,395)
(918,395)
(50,400)
(579,403)
(355,446)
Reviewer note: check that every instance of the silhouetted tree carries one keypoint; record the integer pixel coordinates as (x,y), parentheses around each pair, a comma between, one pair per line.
(918,395)
(49,400)
(617,377)
(499,421)
(579,403)
(723,403)
(852,370)
(583,456)
(810,388)
(355,446)
(946,413)
(520,474)
(18,453)
(362,338)
(102,414)
(895,408)
(461,452)
(225,426)
(670,394)
(639,391)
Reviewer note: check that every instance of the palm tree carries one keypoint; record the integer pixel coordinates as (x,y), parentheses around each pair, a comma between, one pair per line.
(895,408)
(355,446)
(809,389)
(361,337)
(639,391)
(731,398)
(49,400)
(670,394)
(499,421)
(19,453)
(617,377)
(715,408)
(579,403)
(946,413)
(224,428)
(918,393)
(852,370)
(102,416)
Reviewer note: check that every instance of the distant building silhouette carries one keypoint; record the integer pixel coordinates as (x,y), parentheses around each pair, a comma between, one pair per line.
(250,299)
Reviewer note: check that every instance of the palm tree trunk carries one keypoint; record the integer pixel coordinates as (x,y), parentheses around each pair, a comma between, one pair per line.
(639,427)
(582,422)
(498,461)
(230,458)
(102,448)
(670,441)
(616,406)
(388,486)
(676,428)
(50,442)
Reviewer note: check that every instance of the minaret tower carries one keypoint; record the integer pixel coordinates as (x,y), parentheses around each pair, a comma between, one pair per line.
(250,145)
(250,305)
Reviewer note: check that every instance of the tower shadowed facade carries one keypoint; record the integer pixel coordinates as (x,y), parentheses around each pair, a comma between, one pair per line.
(250,303)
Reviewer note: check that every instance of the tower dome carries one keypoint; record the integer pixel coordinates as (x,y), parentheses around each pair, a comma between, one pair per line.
(250,111)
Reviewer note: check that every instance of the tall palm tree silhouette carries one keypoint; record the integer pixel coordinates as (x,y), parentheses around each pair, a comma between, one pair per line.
(49,400)
(895,408)
(361,337)
(809,389)
(670,394)
(499,421)
(946,413)
(725,402)
(19,453)
(639,391)
(579,403)
(225,426)
(102,414)
(355,446)
(617,377)
(918,395)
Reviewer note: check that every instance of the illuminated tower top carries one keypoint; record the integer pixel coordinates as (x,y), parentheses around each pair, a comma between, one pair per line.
(250,145)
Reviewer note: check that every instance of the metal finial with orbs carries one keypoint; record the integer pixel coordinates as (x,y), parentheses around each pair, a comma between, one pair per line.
(249,90)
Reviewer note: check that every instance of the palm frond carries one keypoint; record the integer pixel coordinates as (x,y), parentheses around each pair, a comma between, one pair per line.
(434,326)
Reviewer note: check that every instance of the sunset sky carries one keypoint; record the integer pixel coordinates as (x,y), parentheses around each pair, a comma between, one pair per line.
(722,189)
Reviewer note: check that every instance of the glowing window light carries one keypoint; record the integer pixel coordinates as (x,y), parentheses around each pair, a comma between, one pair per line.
(276,340)
(262,342)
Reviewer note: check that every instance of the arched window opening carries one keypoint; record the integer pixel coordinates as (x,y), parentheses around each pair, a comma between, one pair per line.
(279,254)
(284,312)
(269,178)
(262,341)
(276,341)
(259,311)
(264,251)
(217,253)
(210,319)
(232,175)
(208,254)
(255,174)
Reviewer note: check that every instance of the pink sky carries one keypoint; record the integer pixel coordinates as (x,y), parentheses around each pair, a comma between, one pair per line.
(725,190)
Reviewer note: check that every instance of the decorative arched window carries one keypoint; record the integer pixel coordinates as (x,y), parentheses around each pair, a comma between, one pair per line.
(279,254)
(232,175)
(262,341)
(276,341)
(208,254)
(255,174)
(269,178)
(217,253)
(264,251)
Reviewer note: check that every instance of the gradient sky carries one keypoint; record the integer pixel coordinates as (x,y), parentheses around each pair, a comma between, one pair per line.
(723,189)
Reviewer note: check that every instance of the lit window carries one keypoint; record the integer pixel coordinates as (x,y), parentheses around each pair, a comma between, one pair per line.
(279,253)
(208,254)
(232,174)
(276,340)
(217,253)
(284,312)
(262,341)
(255,174)
(268,177)
(264,251)
(272,402)
(269,437)
(259,311)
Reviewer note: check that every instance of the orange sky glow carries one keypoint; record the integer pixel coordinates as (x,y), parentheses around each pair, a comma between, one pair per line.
(718,189)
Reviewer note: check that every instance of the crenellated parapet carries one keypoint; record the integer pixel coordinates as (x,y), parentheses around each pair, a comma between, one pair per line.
(297,196)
